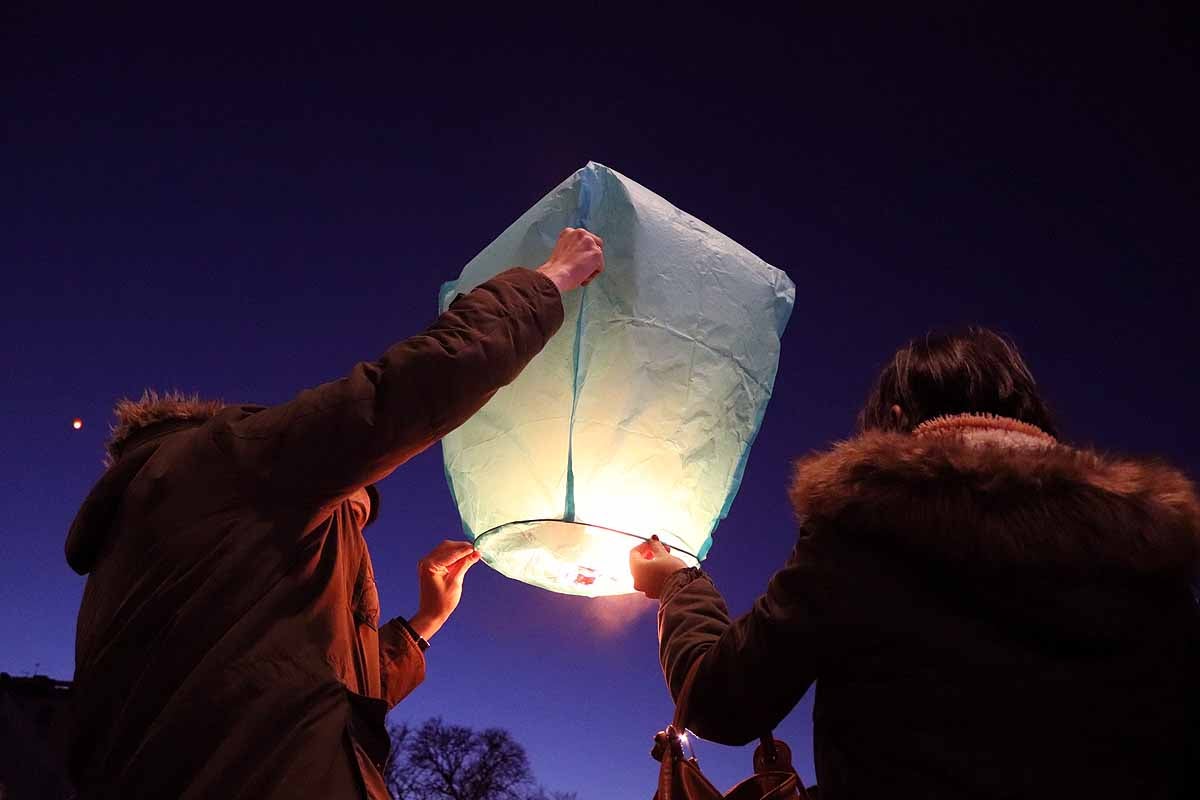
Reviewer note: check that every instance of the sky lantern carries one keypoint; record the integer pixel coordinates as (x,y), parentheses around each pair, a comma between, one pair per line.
(77,423)
(638,416)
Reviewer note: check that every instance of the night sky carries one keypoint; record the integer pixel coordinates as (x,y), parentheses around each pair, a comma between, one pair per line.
(245,206)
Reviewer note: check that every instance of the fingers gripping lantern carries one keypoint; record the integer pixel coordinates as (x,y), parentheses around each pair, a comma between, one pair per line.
(638,416)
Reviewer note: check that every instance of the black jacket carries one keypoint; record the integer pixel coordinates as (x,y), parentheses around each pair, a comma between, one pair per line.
(981,621)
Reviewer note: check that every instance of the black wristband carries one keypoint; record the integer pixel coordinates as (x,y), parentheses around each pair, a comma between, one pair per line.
(412,633)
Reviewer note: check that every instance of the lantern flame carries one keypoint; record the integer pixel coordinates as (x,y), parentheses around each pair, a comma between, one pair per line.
(77,423)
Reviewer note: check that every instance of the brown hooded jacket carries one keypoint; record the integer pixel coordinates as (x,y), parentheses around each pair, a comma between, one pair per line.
(228,644)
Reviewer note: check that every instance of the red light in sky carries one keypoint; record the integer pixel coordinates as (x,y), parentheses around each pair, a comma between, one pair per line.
(77,423)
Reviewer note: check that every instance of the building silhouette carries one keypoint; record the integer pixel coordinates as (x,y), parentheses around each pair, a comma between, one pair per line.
(33,733)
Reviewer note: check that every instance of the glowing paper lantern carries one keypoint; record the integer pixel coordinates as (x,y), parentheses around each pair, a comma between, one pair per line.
(638,416)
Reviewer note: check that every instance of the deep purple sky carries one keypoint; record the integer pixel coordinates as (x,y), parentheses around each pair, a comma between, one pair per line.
(245,206)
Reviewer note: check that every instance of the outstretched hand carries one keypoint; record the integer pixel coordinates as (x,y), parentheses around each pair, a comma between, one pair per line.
(578,257)
(440,577)
(651,564)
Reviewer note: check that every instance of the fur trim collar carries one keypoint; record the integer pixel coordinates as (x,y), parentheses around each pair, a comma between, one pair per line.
(136,416)
(970,494)
(978,429)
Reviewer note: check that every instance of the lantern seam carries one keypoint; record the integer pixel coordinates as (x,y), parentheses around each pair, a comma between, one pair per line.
(569,504)
(583,212)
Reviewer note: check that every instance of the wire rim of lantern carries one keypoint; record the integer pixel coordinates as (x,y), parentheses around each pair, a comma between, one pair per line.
(639,537)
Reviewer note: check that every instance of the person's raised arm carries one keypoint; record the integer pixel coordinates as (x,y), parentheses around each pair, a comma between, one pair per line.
(331,440)
(754,669)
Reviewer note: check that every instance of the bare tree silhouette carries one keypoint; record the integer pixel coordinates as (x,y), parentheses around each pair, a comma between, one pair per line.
(401,782)
(440,761)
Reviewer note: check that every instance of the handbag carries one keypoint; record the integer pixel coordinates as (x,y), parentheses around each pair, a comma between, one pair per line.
(680,778)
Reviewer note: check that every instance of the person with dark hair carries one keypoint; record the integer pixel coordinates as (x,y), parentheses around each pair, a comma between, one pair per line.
(977,371)
(229,642)
(986,611)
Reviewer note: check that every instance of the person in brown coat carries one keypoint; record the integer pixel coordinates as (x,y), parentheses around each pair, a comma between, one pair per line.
(229,642)
(985,611)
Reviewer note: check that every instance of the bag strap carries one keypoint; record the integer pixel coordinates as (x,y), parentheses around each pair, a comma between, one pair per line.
(685,694)
(682,705)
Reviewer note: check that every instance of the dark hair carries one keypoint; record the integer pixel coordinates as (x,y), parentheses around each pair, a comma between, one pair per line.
(977,371)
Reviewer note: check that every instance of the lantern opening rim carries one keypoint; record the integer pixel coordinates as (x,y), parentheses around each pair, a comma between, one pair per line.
(582,523)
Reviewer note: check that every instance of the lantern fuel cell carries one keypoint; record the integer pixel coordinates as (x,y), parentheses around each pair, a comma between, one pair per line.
(638,416)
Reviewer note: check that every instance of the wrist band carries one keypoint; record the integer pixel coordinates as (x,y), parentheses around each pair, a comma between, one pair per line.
(412,633)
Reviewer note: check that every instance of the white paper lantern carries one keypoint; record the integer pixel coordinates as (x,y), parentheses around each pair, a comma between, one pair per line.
(638,416)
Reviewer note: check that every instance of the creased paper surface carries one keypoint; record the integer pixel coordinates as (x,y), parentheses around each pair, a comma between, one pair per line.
(639,414)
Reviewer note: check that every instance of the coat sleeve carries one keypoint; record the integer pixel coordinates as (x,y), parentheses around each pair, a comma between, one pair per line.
(329,441)
(401,663)
(753,669)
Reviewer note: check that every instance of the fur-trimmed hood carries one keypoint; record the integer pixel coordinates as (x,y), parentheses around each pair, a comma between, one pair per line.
(987,504)
(134,418)
(140,426)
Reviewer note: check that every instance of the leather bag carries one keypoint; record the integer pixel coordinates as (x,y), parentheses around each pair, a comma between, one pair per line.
(680,778)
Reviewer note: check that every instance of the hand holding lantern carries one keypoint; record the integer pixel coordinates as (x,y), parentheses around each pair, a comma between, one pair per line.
(578,257)
(440,575)
(651,564)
